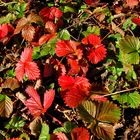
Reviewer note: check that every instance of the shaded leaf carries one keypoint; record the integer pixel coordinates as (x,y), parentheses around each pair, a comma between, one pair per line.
(11,83)
(15,123)
(44,135)
(85,114)
(6,106)
(35,126)
(24,136)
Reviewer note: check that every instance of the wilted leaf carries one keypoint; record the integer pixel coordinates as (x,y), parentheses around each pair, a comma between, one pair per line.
(35,126)
(34,18)
(28,32)
(6,106)
(129,99)
(11,83)
(20,25)
(100,115)
(21,97)
(50,27)
(104,131)
(117,29)
(44,135)
(132,3)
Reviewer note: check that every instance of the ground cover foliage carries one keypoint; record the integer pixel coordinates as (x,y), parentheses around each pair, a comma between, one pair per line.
(70,70)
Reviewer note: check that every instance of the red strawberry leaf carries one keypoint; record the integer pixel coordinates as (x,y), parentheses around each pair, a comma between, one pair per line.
(66,82)
(80,133)
(33,103)
(48,99)
(3,30)
(136,21)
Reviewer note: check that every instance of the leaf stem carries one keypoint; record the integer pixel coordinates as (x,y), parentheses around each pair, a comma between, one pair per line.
(122,91)
(55,119)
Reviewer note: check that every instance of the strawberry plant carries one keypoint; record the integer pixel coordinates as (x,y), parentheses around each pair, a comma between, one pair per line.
(69,69)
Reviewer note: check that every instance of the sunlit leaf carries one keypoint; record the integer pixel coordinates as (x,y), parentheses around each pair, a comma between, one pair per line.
(130,47)
(64,34)
(28,32)
(44,135)
(92,30)
(34,18)
(20,25)
(129,99)
(11,83)
(6,19)
(6,106)
(68,9)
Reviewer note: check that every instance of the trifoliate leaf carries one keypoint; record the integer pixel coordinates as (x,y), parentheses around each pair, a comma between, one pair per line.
(15,123)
